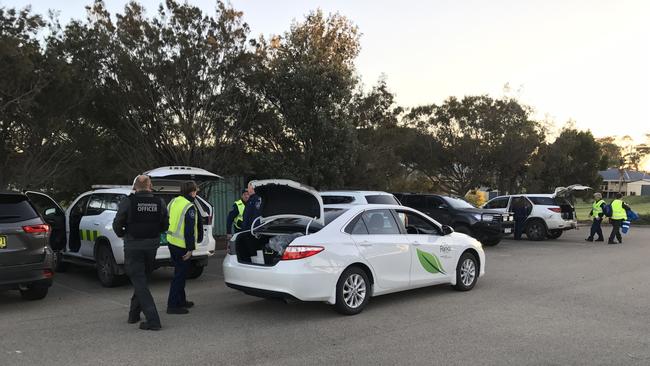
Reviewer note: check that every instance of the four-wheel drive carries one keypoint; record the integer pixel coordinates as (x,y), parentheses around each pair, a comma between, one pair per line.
(26,261)
(488,226)
(549,214)
(89,238)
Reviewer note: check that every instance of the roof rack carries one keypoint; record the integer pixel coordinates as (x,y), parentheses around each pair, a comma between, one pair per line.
(108,186)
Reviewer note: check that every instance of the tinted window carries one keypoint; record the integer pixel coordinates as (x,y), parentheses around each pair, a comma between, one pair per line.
(382,199)
(79,209)
(547,201)
(335,200)
(434,202)
(380,222)
(15,208)
(95,205)
(416,224)
(416,201)
(501,202)
(42,203)
(358,228)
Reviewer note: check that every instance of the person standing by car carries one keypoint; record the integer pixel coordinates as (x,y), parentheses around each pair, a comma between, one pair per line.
(182,238)
(253,208)
(597,213)
(140,220)
(236,215)
(520,212)
(619,214)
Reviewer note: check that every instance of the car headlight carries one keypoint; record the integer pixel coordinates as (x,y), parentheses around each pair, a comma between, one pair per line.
(488,217)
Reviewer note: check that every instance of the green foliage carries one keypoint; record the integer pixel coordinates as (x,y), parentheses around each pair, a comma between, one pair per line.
(573,158)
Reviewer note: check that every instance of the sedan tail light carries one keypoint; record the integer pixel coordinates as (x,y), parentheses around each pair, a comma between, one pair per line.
(555,209)
(301,251)
(36,229)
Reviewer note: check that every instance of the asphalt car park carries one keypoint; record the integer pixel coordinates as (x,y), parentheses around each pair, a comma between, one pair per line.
(555,302)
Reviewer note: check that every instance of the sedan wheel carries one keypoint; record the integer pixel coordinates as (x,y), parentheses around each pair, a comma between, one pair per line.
(467,272)
(352,291)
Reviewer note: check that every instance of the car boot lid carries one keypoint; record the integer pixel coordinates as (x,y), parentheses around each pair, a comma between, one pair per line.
(567,191)
(182,173)
(283,198)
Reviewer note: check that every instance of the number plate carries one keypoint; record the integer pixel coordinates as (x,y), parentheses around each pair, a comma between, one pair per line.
(507,230)
(3,242)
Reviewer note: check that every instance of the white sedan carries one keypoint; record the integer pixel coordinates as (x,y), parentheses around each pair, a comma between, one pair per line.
(344,255)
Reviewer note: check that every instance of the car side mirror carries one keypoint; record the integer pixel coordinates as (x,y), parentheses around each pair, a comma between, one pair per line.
(446,229)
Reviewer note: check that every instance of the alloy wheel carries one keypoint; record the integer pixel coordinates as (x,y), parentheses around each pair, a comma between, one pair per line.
(467,272)
(354,291)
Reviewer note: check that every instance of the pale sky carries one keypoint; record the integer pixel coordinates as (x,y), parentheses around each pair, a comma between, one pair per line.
(586,60)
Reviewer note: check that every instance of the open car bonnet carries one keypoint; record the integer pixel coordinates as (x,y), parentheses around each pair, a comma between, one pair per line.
(283,198)
(567,191)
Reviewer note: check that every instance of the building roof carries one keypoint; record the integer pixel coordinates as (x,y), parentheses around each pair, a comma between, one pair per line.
(612,174)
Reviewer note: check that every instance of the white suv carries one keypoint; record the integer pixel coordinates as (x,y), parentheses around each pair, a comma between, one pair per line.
(358,198)
(90,239)
(549,214)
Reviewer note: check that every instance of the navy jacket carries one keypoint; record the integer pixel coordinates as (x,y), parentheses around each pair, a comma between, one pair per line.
(190,217)
(252,211)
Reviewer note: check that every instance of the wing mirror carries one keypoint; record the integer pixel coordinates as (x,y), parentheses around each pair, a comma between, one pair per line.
(446,229)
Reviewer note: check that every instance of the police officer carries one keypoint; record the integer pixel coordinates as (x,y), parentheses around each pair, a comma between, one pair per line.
(253,208)
(182,237)
(236,215)
(520,212)
(140,220)
(597,213)
(619,214)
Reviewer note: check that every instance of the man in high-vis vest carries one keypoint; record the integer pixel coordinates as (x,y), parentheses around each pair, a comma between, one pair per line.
(236,215)
(597,214)
(619,214)
(182,237)
(140,220)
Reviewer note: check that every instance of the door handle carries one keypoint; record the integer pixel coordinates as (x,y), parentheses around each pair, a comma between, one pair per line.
(96,223)
(416,243)
(365,244)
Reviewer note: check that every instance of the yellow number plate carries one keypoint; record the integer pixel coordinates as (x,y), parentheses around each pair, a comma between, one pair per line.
(3,242)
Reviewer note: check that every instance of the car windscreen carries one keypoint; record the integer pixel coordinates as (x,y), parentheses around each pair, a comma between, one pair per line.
(458,203)
(545,201)
(15,208)
(336,200)
(382,199)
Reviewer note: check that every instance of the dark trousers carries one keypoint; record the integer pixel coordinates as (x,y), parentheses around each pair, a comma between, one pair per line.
(177,289)
(596,229)
(139,264)
(616,230)
(519,227)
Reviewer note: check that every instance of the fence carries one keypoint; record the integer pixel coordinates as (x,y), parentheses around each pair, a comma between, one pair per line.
(221,195)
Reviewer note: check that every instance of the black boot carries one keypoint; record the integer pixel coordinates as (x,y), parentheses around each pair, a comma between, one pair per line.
(177,311)
(600,239)
(610,241)
(147,326)
(133,318)
(589,239)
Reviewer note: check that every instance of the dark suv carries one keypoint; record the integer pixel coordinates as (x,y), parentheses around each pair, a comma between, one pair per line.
(485,225)
(26,259)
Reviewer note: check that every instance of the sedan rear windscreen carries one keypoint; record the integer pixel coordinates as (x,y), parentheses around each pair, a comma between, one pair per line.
(15,208)
(382,199)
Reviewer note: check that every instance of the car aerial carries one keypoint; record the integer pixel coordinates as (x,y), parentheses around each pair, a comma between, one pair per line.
(549,214)
(343,255)
(488,226)
(358,198)
(26,260)
(90,239)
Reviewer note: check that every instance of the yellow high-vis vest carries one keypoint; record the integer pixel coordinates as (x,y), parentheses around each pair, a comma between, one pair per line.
(177,209)
(597,208)
(618,212)
(240,218)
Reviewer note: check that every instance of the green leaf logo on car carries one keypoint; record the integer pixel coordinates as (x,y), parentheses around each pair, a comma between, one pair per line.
(430,262)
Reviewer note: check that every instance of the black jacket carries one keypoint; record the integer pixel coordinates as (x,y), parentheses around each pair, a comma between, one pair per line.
(120,225)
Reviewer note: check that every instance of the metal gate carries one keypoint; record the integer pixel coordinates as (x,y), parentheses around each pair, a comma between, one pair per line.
(221,195)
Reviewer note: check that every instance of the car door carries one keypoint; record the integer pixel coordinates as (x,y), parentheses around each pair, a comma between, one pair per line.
(90,224)
(439,209)
(500,204)
(432,256)
(74,216)
(53,215)
(381,242)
